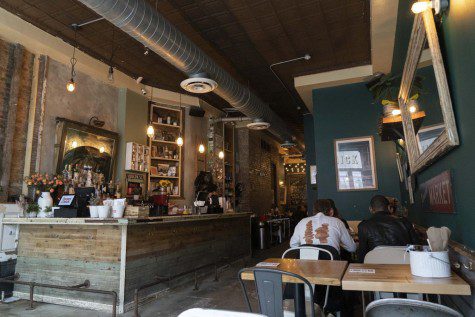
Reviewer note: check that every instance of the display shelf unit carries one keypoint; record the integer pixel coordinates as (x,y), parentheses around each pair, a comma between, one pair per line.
(229,184)
(166,157)
(137,157)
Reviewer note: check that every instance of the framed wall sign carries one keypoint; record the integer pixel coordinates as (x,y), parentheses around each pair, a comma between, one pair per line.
(437,195)
(355,164)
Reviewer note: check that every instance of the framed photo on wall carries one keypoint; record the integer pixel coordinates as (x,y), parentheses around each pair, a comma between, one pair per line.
(355,164)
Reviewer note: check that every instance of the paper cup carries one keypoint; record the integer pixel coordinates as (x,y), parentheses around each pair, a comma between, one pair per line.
(93,211)
(103,211)
(118,211)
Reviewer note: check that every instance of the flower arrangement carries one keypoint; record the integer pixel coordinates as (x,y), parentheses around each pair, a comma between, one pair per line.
(165,183)
(43,183)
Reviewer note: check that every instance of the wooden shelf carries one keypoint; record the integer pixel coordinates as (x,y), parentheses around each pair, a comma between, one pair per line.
(163,176)
(166,142)
(164,159)
(166,125)
(391,129)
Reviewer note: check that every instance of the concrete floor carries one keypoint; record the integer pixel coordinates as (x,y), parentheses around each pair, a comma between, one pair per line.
(224,294)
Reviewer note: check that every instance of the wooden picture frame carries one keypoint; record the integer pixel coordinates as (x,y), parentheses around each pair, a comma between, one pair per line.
(355,165)
(424,28)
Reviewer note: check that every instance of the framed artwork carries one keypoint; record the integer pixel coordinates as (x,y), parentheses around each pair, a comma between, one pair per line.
(355,164)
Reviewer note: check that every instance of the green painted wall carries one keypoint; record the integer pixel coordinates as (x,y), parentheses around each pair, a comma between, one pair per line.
(457,38)
(345,112)
(310,158)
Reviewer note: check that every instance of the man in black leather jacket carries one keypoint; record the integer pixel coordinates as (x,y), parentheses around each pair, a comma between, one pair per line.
(383,229)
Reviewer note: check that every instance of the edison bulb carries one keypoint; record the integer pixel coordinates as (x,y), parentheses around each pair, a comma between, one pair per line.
(221,154)
(396,112)
(102,149)
(201,148)
(179,141)
(421,6)
(412,109)
(150,131)
(71,85)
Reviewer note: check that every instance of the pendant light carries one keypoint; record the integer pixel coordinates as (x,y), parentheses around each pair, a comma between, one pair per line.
(179,140)
(150,130)
(71,85)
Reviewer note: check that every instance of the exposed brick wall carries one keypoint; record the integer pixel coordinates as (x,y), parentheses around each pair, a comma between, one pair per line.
(256,170)
(16,65)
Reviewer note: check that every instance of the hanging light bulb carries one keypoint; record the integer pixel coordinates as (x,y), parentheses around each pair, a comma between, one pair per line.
(179,140)
(221,154)
(201,148)
(71,85)
(111,74)
(150,131)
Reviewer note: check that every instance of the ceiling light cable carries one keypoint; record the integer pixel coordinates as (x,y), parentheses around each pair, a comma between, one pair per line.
(305,57)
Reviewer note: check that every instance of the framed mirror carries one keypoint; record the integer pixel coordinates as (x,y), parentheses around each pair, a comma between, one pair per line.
(424,89)
(79,144)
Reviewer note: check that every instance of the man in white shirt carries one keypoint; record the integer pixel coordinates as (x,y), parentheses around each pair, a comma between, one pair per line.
(322,228)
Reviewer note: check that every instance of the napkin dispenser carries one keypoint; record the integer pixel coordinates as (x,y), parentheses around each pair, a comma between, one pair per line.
(425,263)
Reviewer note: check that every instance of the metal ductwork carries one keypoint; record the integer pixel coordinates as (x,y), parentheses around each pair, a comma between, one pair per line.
(141,21)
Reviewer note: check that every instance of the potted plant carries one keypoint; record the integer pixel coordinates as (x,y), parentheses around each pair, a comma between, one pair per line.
(94,203)
(32,210)
(385,90)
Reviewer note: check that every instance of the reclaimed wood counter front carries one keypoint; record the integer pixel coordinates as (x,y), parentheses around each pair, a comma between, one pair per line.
(122,254)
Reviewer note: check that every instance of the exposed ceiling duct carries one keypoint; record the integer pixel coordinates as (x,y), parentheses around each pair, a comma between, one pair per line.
(141,21)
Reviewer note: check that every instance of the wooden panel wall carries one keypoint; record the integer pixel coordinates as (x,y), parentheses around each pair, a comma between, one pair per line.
(55,255)
(169,249)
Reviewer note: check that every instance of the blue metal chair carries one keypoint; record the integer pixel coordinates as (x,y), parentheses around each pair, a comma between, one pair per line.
(269,288)
(401,307)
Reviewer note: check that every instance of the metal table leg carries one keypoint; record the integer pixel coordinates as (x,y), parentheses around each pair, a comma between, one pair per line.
(299,300)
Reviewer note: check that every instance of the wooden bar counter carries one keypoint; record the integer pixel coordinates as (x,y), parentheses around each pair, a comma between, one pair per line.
(122,254)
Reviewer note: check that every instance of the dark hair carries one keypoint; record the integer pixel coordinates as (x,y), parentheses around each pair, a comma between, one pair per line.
(322,205)
(379,203)
(335,210)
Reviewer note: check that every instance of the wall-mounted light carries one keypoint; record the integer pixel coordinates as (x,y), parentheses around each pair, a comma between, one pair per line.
(101,149)
(396,112)
(221,154)
(201,148)
(437,5)
(179,140)
(150,131)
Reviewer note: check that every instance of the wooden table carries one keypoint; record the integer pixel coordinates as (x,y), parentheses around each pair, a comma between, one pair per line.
(318,272)
(398,278)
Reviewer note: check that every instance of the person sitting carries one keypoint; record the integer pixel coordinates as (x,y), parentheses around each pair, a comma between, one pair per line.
(327,232)
(383,229)
(322,229)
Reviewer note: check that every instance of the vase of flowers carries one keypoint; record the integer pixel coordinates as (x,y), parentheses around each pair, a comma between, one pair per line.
(44,185)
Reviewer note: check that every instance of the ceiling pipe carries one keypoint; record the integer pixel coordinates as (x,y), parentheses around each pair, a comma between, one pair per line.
(142,22)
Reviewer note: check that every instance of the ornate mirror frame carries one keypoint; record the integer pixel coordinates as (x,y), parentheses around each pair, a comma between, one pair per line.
(424,28)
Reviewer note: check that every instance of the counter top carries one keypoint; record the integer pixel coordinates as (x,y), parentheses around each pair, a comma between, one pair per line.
(120,221)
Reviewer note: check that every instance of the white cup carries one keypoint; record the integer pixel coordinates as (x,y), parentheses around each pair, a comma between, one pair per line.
(93,211)
(103,211)
(118,211)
